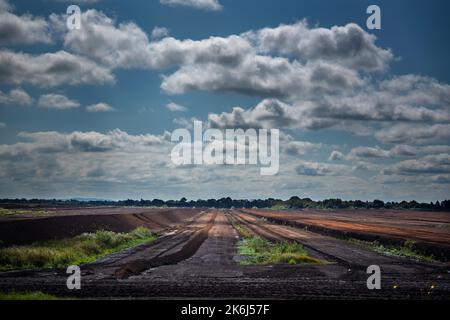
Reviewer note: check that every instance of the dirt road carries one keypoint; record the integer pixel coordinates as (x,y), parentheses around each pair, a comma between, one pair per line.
(199,260)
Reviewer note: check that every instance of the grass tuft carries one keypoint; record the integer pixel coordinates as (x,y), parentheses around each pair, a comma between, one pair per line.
(405,251)
(262,252)
(37,295)
(84,248)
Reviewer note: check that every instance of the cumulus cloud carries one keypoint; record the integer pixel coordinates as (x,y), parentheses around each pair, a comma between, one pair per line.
(159,32)
(264,77)
(132,48)
(78,1)
(51,69)
(57,101)
(433,164)
(368,152)
(25,29)
(52,141)
(400,150)
(335,155)
(5,6)
(415,134)
(99,107)
(308,78)
(176,107)
(313,72)
(209,5)
(296,148)
(308,168)
(419,100)
(99,37)
(15,97)
(349,45)
(237,63)
(50,162)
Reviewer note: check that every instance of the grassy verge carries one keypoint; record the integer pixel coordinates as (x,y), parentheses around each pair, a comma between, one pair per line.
(257,250)
(14,212)
(84,248)
(27,296)
(405,251)
(260,251)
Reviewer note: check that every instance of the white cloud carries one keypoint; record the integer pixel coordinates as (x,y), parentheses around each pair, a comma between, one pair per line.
(159,32)
(99,37)
(132,48)
(50,160)
(415,134)
(308,168)
(2,125)
(57,101)
(335,155)
(368,152)
(15,97)
(238,63)
(5,6)
(308,78)
(99,107)
(78,1)
(51,69)
(52,141)
(25,29)
(349,45)
(433,164)
(209,5)
(297,148)
(175,107)
(420,99)
(263,76)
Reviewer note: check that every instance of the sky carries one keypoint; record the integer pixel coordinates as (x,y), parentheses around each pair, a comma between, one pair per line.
(363,114)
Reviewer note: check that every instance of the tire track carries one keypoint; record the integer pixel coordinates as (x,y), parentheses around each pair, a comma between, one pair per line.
(167,257)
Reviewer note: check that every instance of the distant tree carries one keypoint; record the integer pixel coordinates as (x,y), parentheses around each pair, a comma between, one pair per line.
(378,204)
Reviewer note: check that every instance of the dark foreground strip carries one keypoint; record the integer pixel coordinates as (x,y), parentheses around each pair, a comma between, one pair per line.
(229,309)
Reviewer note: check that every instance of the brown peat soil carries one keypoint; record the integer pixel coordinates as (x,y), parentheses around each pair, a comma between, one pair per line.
(196,256)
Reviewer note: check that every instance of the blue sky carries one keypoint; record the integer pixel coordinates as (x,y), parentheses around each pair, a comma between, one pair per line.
(374,154)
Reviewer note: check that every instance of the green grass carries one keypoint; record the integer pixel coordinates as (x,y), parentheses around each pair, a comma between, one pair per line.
(84,248)
(15,212)
(405,251)
(262,252)
(12,212)
(27,296)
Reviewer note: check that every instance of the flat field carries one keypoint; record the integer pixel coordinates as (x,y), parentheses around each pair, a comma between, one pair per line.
(198,254)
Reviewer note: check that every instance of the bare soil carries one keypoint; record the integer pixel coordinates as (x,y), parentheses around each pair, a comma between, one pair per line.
(26,229)
(198,259)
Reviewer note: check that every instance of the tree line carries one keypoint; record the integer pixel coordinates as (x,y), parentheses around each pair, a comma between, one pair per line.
(293,203)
